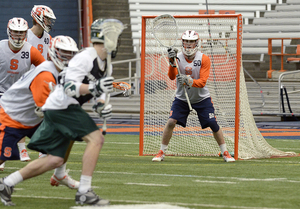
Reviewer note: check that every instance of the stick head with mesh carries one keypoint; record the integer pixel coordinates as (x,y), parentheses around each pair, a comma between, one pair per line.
(111,29)
(165,30)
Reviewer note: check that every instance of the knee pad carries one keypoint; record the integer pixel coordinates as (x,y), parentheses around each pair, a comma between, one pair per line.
(214,126)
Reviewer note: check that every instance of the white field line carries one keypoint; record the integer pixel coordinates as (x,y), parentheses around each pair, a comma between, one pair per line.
(215,182)
(147,184)
(83,143)
(147,202)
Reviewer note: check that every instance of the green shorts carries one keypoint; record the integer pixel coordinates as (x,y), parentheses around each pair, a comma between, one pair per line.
(59,128)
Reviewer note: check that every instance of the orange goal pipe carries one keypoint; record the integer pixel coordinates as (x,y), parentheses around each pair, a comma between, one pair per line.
(142,87)
(237,93)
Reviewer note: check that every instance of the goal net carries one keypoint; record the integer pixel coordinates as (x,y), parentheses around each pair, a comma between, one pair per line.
(221,40)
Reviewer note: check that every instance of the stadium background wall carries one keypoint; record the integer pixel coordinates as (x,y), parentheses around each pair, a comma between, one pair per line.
(66,12)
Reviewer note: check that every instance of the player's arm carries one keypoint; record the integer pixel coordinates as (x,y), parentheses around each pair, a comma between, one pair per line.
(36,56)
(172,72)
(40,88)
(204,73)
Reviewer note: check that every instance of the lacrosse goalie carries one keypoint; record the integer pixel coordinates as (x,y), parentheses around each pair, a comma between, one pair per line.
(194,69)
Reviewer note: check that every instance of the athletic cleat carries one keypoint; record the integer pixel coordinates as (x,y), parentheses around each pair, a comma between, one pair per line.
(159,157)
(90,198)
(66,180)
(227,157)
(2,166)
(5,193)
(24,157)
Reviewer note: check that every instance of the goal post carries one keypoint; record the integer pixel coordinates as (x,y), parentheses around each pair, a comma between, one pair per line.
(221,41)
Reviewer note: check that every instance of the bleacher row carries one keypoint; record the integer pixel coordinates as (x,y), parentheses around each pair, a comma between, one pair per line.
(263,19)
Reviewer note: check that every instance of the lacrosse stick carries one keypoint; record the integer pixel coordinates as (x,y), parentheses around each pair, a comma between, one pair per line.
(111,29)
(165,31)
(123,86)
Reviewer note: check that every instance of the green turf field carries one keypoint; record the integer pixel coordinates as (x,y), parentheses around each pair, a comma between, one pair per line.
(123,177)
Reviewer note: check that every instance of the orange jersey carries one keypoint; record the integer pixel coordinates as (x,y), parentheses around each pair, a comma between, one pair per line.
(19,101)
(14,64)
(199,70)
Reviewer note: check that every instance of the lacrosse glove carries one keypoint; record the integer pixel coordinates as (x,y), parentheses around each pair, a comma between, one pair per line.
(104,112)
(72,89)
(102,85)
(172,55)
(185,80)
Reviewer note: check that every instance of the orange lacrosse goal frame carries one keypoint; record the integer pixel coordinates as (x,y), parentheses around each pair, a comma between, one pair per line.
(220,39)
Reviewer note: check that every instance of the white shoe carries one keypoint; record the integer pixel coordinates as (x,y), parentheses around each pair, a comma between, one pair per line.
(2,166)
(24,157)
(41,155)
(159,157)
(227,157)
(66,180)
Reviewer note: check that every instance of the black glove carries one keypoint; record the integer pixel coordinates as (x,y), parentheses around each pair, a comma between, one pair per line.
(172,55)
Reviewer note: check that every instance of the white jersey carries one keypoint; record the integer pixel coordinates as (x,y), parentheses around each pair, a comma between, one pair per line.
(193,69)
(18,101)
(82,68)
(13,64)
(42,43)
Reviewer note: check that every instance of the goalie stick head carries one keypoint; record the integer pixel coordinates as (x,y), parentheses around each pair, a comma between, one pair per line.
(190,40)
(61,50)
(97,35)
(44,16)
(17,31)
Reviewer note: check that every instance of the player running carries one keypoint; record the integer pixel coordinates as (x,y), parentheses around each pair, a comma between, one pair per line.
(194,69)
(65,121)
(21,112)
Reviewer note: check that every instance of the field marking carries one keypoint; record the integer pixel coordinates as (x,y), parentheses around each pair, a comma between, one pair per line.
(195,176)
(83,143)
(215,182)
(148,202)
(147,184)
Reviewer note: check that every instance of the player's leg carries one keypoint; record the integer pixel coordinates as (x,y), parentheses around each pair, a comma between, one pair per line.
(206,115)
(24,156)
(85,194)
(61,176)
(178,115)
(32,169)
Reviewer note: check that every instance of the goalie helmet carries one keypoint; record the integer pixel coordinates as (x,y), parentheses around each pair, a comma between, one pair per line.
(61,50)
(17,31)
(190,40)
(44,16)
(97,35)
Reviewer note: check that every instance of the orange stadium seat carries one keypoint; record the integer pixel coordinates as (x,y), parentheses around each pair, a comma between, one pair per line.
(205,12)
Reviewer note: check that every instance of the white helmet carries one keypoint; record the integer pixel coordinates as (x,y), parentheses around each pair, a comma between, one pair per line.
(44,16)
(61,50)
(189,49)
(17,31)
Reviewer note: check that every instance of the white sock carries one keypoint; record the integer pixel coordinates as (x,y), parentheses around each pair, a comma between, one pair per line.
(85,183)
(13,179)
(60,172)
(164,147)
(223,148)
(21,146)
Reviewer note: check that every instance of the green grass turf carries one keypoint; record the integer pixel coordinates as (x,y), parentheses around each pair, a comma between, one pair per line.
(123,177)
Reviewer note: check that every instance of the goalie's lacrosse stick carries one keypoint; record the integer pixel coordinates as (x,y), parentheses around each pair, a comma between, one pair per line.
(111,29)
(165,31)
(123,86)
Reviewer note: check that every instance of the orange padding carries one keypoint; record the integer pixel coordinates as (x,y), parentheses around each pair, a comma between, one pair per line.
(293,59)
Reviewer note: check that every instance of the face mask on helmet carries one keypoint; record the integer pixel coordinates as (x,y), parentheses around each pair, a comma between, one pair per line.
(190,42)
(62,49)
(97,35)
(17,31)
(44,16)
